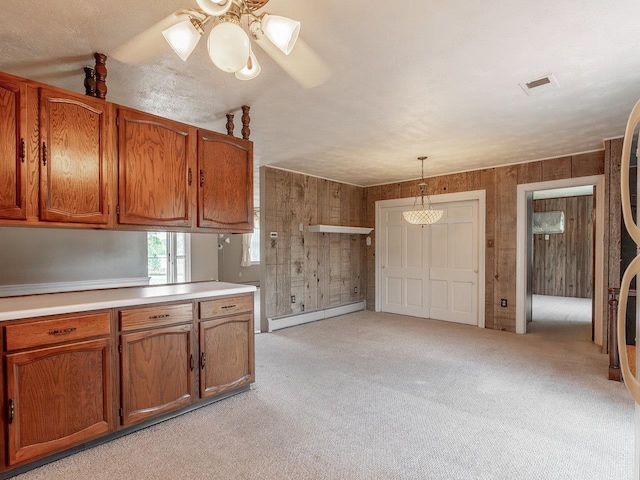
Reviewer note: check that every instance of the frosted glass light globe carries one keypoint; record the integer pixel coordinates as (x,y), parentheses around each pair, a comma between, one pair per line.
(229,47)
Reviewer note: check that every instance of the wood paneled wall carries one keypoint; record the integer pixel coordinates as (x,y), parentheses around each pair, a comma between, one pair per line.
(324,269)
(563,262)
(501,193)
(319,269)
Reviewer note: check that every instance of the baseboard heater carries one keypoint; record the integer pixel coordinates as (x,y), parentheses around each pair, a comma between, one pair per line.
(277,323)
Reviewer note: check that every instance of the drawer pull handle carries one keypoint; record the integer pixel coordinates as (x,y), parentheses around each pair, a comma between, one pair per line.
(23,153)
(164,315)
(192,363)
(60,332)
(228,306)
(12,410)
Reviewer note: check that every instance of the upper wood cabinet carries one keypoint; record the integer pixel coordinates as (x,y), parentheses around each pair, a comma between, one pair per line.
(73,158)
(225,179)
(13,164)
(156,158)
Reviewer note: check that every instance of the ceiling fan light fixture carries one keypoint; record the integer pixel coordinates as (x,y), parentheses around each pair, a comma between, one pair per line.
(184,36)
(251,70)
(215,7)
(283,32)
(229,46)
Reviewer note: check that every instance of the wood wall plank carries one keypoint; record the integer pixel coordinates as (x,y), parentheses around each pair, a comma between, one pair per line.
(529,172)
(587,164)
(556,169)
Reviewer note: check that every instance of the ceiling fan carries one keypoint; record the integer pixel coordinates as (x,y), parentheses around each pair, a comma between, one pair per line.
(229,46)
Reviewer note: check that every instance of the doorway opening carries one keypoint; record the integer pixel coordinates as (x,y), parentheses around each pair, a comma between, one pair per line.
(549,273)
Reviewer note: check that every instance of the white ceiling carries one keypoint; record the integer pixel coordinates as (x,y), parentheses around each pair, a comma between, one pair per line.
(419,78)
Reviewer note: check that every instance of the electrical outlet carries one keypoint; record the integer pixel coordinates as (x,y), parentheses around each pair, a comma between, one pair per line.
(293,299)
(503,302)
(355,289)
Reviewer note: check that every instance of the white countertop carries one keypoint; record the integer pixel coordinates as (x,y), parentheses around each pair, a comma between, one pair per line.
(13,308)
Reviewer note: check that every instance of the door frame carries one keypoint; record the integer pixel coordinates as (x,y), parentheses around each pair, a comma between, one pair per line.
(480,196)
(599,292)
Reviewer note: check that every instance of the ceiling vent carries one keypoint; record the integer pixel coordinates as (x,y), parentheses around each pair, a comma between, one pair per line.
(539,85)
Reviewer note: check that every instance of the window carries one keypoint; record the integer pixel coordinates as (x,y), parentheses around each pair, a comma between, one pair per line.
(254,246)
(168,257)
(251,244)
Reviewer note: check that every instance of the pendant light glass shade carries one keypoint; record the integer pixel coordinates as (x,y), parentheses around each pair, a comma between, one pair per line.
(422,214)
(251,70)
(229,47)
(184,36)
(283,32)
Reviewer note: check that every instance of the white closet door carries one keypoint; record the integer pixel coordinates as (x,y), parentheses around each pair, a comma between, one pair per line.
(454,264)
(404,265)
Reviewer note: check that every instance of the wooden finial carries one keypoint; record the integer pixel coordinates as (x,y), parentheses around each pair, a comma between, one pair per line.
(230,124)
(246,119)
(101,75)
(89,82)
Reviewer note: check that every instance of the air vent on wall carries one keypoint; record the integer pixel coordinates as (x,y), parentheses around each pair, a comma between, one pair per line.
(539,85)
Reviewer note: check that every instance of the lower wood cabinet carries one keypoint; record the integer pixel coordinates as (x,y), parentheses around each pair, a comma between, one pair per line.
(157,372)
(226,344)
(226,354)
(66,381)
(58,396)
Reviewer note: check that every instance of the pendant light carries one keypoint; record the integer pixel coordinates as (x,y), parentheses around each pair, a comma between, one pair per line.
(422,214)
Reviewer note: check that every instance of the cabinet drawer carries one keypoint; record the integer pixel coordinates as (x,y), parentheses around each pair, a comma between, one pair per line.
(63,329)
(226,306)
(155,316)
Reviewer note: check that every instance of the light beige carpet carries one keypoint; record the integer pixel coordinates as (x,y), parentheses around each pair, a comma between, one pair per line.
(380,396)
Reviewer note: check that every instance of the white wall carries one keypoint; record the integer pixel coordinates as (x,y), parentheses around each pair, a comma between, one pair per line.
(229,259)
(204,257)
(50,255)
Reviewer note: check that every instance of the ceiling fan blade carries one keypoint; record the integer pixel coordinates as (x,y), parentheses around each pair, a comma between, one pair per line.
(303,64)
(147,44)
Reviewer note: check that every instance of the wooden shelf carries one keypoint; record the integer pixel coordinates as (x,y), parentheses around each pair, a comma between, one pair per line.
(339,229)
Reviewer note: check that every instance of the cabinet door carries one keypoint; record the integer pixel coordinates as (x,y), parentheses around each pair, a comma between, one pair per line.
(157,372)
(13,163)
(226,354)
(155,174)
(57,397)
(73,158)
(225,193)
